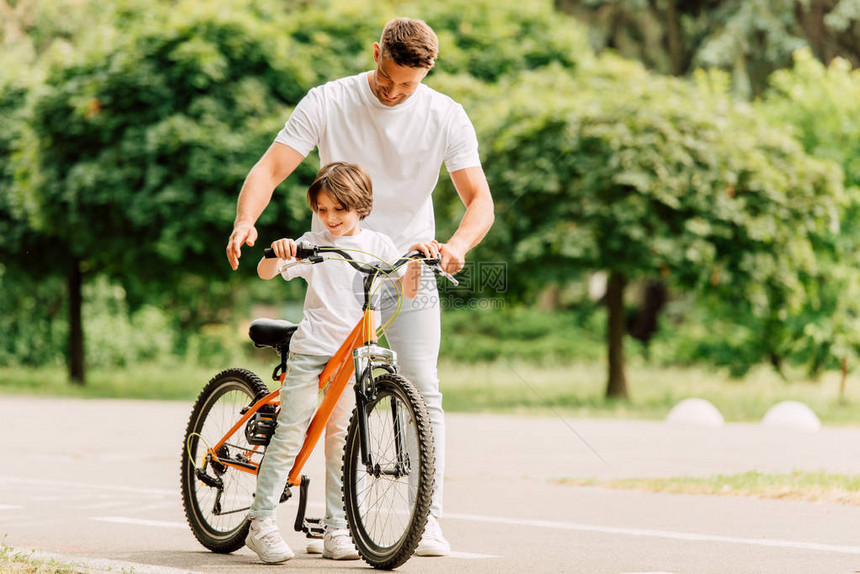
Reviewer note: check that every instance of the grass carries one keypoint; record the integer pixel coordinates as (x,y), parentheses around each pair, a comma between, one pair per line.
(807,486)
(151,381)
(573,390)
(18,562)
(577,390)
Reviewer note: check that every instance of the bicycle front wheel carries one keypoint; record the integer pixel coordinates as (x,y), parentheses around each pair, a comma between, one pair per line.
(216,497)
(387,500)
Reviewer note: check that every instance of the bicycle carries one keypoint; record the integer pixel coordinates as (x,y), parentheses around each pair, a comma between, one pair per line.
(388,461)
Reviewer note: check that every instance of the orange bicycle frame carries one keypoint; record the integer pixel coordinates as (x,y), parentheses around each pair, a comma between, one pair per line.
(336,375)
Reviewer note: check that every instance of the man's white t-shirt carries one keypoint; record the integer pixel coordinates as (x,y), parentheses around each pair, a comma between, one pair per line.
(334,299)
(401,147)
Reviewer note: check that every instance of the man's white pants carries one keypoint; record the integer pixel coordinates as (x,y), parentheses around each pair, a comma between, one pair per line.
(415,335)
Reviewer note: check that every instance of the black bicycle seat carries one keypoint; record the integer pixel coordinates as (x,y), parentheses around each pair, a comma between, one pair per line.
(271,332)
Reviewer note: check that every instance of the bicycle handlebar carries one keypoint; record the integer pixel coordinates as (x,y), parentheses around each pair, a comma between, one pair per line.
(314,254)
(303,251)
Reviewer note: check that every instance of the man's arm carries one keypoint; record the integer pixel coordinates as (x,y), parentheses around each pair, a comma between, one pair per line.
(474,191)
(277,163)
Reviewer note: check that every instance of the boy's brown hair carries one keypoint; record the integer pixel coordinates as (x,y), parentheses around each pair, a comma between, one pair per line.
(409,43)
(348,183)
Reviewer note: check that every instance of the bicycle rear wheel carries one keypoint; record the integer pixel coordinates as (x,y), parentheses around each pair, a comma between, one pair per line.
(387,501)
(215,496)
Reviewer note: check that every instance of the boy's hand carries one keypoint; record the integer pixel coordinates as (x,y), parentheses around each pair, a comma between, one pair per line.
(284,248)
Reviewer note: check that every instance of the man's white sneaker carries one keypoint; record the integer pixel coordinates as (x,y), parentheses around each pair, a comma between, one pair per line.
(432,542)
(337,545)
(264,539)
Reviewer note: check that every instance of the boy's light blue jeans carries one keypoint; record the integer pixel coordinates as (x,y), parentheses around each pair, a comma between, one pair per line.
(298,404)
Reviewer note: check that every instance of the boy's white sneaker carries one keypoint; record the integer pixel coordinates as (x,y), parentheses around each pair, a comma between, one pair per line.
(315,546)
(337,545)
(265,539)
(432,542)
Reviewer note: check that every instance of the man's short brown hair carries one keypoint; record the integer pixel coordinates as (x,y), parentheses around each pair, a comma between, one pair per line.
(409,43)
(348,183)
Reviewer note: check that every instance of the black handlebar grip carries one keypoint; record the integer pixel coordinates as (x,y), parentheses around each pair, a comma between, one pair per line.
(302,252)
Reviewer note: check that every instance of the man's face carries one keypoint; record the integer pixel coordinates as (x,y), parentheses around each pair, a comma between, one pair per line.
(393,84)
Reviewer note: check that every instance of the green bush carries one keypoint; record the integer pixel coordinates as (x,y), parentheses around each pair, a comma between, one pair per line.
(518,333)
(32,320)
(117,337)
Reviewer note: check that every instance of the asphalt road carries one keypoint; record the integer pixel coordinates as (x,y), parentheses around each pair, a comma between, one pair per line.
(95,482)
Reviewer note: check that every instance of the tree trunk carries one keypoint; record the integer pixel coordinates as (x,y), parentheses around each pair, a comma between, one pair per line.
(567,6)
(617,386)
(812,22)
(76,328)
(673,39)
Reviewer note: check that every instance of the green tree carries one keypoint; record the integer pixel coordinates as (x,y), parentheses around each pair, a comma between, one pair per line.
(817,101)
(32,287)
(748,39)
(645,176)
(140,141)
(148,118)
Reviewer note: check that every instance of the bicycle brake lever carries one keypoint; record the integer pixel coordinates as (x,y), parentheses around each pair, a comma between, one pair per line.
(450,278)
(437,269)
(295,262)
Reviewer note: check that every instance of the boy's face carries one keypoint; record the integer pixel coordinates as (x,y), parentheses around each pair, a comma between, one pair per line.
(337,219)
(393,84)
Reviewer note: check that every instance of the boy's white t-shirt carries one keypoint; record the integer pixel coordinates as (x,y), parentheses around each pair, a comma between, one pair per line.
(401,147)
(334,299)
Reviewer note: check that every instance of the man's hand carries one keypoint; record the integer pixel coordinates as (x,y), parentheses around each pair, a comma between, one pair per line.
(277,163)
(243,234)
(430,249)
(453,257)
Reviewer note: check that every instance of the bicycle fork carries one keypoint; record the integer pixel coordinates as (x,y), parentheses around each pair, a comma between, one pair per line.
(368,358)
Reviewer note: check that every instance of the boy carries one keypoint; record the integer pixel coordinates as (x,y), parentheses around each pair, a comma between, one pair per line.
(340,196)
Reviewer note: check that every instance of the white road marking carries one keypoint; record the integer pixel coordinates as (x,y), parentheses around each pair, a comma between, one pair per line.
(140,521)
(689,536)
(149,507)
(60,497)
(470,555)
(102,564)
(60,483)
(668,534)
(100,505)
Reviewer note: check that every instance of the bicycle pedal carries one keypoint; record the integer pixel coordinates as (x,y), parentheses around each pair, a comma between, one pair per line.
(261,427)
(313,527)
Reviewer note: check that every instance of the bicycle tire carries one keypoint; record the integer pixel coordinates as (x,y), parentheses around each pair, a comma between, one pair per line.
(387,513)
(222,529)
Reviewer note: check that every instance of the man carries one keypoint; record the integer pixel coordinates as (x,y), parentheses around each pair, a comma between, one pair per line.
(400,131)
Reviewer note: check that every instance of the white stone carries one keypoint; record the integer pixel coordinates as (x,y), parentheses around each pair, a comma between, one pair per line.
(791,414)
(696,412)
